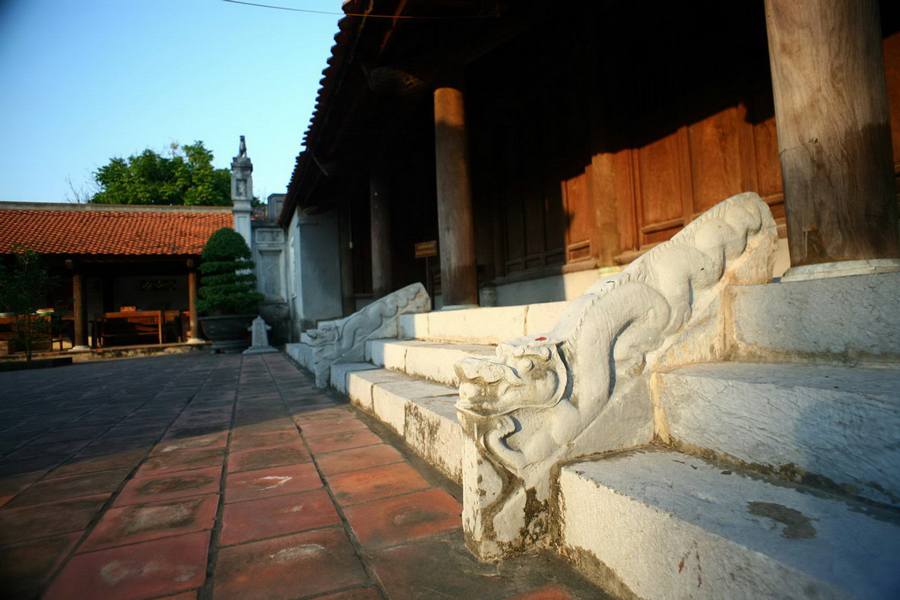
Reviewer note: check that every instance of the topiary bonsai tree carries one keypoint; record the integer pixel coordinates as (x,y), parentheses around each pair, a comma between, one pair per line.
(228,286)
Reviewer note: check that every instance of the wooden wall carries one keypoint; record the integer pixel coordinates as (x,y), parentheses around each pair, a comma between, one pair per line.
(601,135)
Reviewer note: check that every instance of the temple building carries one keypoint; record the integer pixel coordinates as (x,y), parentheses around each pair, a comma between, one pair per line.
(115,264)
(540,145)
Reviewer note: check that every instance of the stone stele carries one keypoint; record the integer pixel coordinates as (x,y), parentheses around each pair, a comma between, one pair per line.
(344,341)
(259,338)
(584,387)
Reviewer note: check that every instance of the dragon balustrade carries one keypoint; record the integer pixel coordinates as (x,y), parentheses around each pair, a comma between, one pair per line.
(344,341)
(584,387)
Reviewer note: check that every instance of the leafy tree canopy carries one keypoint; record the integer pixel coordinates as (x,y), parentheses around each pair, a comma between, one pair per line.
(187,178)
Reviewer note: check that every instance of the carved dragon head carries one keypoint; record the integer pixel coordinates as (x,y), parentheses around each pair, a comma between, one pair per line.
(527,373)
(323,335)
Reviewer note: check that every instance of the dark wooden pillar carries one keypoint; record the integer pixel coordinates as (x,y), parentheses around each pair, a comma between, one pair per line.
(79,310)
(459,282)
(192,304)
(834,136)
(380,211)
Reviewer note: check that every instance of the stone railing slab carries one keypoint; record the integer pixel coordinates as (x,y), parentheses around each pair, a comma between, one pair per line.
(583,387)
(344,341)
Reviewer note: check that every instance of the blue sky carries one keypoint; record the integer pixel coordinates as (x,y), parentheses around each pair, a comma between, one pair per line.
(82,81)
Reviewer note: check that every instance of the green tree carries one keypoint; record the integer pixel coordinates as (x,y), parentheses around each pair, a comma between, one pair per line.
(186,178)
(23,290)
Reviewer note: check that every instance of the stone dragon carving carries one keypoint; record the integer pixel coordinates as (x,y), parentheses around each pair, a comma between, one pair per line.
(584,387)
(344,341)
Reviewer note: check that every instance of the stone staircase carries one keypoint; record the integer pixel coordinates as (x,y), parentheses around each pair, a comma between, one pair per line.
(679,431)
(776,478)
(772,475)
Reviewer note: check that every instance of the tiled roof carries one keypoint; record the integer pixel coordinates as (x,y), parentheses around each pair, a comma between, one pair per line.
(113,232)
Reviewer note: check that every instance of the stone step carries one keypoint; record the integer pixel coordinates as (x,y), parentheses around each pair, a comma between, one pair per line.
(422,412)
(425,360)
(482,325)
(848,318)
(301,353)
(669,525)
(835,422)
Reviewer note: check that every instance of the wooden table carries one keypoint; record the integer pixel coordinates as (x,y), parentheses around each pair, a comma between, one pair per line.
(128,324)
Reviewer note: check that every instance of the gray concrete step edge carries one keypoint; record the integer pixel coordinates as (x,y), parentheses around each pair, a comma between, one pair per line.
(852,319)
(669,525)
(422,359)
(300,352)
(492,325)
(422,412)
(836,422)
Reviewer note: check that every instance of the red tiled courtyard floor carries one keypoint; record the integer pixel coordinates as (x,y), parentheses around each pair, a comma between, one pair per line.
(220,477)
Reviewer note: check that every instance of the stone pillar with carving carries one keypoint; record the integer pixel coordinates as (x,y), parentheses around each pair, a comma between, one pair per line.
(242,192)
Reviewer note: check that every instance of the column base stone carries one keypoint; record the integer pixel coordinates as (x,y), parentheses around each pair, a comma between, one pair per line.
(842,269)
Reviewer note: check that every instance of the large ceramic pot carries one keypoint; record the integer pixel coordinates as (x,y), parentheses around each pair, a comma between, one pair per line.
(229,333)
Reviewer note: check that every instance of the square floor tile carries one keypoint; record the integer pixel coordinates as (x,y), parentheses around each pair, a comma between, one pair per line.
(369,593)
(182,461)
(278,456)
(172,445)
(377,482)
(281,515)
(144,570)
(436,570)
(330,426)
(356,459)
(548,592)
(26,566)
(145,522)
(80,465)
(276,481)
(315,413)
(265,440)
(342,441)
(403,519)
(76,486)
(28,522)
(12,485)
(170,486)
(293,566)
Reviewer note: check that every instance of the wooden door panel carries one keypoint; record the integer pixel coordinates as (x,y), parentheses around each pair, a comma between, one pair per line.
(891,48)
(715,150)
(580,218)
(659,179)
(768,164)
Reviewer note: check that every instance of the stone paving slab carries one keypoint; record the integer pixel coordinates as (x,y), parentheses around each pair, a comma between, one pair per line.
(208,477)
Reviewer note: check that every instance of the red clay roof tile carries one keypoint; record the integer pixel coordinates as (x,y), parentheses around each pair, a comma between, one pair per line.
(97,232)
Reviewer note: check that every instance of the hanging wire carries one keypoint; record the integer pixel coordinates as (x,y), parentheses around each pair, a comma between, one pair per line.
(367,15)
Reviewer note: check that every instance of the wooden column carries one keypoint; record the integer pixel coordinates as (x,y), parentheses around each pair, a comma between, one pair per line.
(834,136)
(79,310)
(456,228)
(380,212)
(192,305)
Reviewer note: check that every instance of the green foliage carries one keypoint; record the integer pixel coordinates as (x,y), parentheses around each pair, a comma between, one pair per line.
(23,290)
(187,178)
(228,283)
